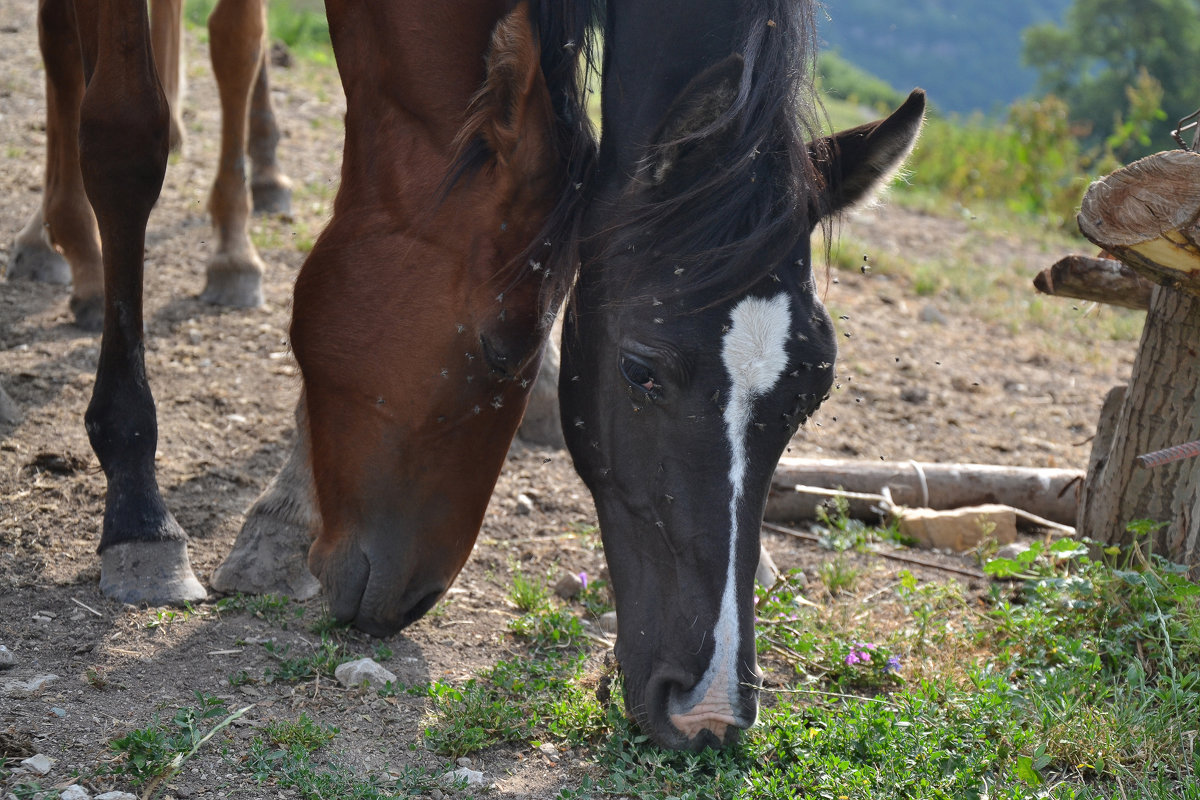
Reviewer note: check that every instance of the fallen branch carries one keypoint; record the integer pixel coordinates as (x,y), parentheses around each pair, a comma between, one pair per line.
(920,485)
(1102,280)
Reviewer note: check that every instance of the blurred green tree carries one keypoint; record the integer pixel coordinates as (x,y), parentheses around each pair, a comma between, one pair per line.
(1115,62)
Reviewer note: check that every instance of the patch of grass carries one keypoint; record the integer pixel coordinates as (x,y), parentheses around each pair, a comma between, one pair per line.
(153,755)
(515,701)
(269,607)
(528,594)
(595,597)
(325,658)
(286,757)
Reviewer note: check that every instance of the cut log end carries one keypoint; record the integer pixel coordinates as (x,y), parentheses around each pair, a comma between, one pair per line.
(1146,214)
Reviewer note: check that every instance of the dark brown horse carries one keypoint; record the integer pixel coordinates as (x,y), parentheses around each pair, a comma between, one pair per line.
(421,313)
(61,243)
(695,343)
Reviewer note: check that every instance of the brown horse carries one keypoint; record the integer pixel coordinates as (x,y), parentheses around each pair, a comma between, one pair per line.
(61,244)
(421,313)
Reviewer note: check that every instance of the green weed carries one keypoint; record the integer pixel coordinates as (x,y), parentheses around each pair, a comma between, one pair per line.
(528,594)
(153,755)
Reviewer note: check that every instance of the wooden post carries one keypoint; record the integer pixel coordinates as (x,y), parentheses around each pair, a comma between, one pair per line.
(1147,215)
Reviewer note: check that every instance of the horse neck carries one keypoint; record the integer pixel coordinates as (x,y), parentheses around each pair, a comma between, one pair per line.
(651,51)
(421,59)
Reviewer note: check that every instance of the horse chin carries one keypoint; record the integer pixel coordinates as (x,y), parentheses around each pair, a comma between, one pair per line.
(366,598)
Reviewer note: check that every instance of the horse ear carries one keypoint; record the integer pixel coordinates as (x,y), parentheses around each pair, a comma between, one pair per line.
(856,163)
(696,129)
(513,89)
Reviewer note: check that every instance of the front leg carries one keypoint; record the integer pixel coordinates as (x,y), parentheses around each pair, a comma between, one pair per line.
(123,138)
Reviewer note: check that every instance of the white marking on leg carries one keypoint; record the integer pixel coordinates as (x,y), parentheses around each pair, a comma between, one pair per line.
(754,352)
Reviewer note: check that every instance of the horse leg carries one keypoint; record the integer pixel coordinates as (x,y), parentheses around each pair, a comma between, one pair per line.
(60,244)
(123,141)
(33,257)
(270,555)
(236,32)
(166,35)
(270,188)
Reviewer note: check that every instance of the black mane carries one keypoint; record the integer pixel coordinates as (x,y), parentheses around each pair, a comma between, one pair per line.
(739,220)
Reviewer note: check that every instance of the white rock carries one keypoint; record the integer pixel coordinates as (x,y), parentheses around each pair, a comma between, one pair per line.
(75,792)
(473,778)
(37,764)
(608,622)
(7,659)
(353,673)
(116,796)
(549,750)
(26,688)
(524,504)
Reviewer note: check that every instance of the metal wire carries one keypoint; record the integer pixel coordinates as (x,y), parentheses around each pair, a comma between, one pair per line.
(1167,455)
(1188,123)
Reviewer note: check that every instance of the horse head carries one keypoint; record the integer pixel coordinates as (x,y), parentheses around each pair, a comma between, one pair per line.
(694,346)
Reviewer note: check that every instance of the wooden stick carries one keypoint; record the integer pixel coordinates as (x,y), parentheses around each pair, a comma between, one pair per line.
(1102,280)
(901,557)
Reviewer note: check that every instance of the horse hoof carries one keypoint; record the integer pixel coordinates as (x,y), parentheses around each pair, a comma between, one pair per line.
(150,573)
(270,556)
(272,196)
(38,262)
(234,281)
(89,312)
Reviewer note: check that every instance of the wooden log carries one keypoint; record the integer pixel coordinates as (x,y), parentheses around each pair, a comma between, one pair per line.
(1045,492)
(1146,214)
(1159,409)
(1102,280)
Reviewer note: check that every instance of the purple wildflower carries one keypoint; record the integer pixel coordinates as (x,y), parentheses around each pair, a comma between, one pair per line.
(583,579)
(852,658)
(892,665)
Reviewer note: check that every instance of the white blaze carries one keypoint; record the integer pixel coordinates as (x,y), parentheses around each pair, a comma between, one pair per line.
(754,353)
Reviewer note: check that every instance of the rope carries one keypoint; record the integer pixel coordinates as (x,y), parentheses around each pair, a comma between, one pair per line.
(924,483)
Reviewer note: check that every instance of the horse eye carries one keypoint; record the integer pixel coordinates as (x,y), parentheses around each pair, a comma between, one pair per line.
(637,373)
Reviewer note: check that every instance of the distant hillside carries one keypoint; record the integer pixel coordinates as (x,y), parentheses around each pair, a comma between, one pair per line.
(965,53)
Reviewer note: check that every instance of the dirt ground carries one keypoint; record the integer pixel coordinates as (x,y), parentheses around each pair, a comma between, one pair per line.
(921,378)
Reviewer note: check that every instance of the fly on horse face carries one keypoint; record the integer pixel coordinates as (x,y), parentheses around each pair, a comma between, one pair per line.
(61,243)
(420,315)
(695,344)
